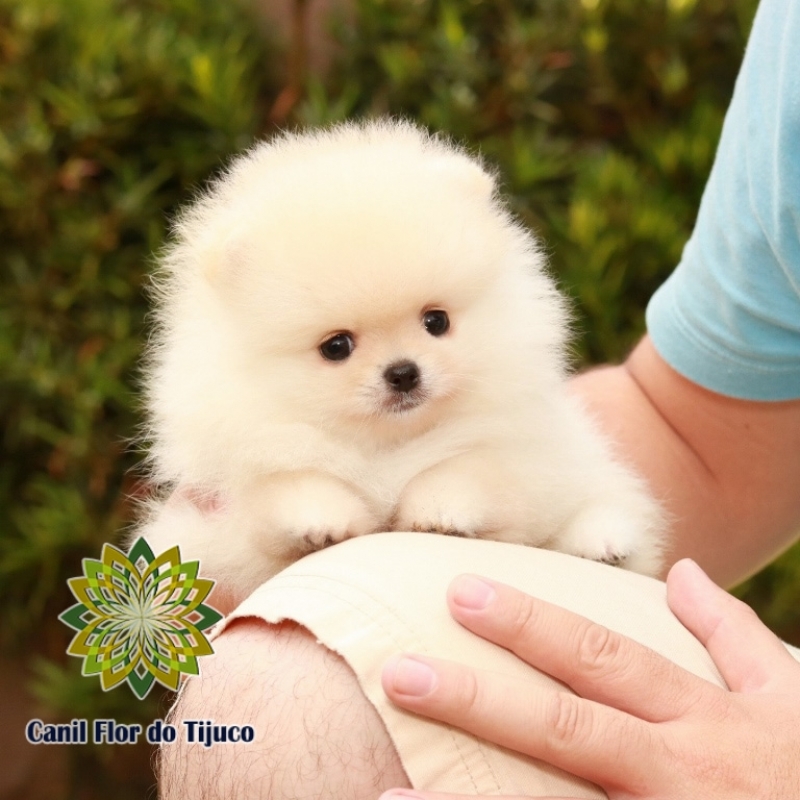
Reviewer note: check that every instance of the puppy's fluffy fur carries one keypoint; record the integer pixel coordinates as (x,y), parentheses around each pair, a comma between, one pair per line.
(360,236)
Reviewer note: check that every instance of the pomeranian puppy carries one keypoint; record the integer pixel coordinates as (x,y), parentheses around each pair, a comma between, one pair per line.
(354,335)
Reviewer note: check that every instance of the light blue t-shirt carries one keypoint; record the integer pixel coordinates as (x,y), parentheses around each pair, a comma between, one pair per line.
(728,318)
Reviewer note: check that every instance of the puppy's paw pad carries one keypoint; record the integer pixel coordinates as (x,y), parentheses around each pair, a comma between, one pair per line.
(601,534)
(318,540)
(446,529)
(602,554)
(610,557)
(324,532)
(438,511)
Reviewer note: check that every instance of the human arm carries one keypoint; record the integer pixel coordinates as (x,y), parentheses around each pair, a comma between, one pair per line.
(726,470)
(728,319)
(639,726)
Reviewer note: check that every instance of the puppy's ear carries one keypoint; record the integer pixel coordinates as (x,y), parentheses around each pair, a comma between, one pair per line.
(228,268)
(466,173)
(228,261)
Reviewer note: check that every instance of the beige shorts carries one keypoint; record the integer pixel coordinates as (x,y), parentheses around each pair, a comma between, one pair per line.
(372,597)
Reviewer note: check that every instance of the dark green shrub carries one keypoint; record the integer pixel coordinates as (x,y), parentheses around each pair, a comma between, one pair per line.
(111,111)
(602,117)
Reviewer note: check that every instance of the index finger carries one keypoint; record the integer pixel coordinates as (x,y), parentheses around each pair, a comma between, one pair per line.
(592,741)
(595,662)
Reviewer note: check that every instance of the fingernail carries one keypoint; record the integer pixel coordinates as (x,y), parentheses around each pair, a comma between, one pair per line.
(413,678)
(696,571)
(395,793)
(472,593)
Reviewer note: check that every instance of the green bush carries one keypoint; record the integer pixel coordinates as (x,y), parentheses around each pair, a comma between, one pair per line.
(111,112)
(602,117)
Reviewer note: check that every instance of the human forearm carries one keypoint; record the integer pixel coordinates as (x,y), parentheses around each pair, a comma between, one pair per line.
(726,470)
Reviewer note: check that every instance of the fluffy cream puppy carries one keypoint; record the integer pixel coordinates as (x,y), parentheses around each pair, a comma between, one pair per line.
(354,336)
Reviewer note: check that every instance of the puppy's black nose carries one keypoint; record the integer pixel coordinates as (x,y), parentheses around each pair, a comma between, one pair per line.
(402,376)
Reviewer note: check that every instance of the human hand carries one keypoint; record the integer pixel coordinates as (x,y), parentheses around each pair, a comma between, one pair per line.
(640,726)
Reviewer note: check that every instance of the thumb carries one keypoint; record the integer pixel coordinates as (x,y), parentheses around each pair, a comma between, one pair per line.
(749,656)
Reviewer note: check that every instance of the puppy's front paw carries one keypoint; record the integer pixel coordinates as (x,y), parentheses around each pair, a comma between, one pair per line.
(439,504)
(604,534)
(311,512)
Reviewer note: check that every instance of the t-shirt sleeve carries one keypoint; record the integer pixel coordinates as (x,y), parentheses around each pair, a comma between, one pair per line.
(728,318)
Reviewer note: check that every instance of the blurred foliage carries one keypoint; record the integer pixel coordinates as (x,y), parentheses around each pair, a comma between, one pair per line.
(601,116)
(111,112)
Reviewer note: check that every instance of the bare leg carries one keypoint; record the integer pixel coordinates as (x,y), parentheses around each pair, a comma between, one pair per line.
(317,736)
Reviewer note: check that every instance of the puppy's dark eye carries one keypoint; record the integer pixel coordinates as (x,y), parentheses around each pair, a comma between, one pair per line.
(338,347)
(436,322)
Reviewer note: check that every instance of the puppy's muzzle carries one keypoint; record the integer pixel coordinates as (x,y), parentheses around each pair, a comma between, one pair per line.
(402,376)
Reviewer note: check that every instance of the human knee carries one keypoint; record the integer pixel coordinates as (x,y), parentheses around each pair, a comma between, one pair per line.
(315,734)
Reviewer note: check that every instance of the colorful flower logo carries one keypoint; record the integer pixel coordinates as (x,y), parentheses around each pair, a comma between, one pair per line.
(140,618)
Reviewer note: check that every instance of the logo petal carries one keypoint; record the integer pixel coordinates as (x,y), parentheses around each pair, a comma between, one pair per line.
(140,618)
